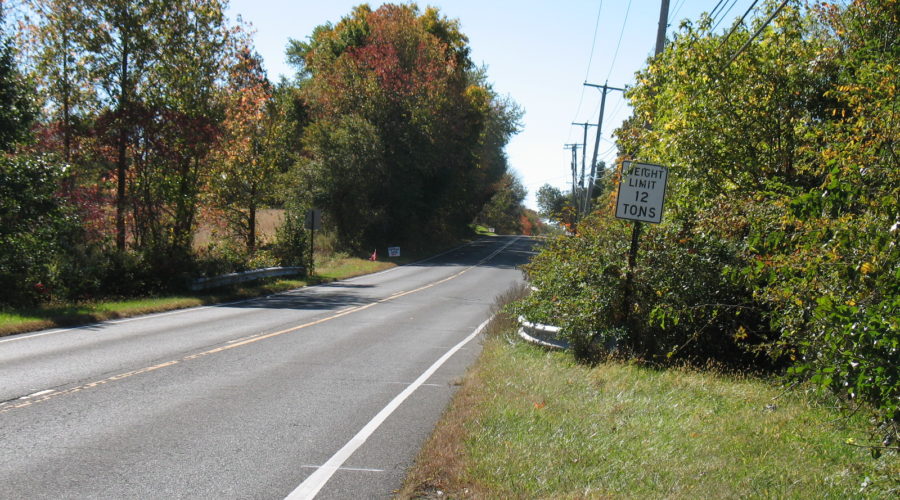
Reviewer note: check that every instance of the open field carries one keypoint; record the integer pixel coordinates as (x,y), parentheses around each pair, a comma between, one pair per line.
(267,222)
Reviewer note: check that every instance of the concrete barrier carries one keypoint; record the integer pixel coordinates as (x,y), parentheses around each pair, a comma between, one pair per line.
(233,278)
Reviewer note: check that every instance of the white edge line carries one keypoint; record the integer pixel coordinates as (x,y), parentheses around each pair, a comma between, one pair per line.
(312,484)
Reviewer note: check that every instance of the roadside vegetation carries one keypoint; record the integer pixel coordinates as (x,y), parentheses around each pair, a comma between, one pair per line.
(532,423)
(57,314)
(143,146)
(779,249)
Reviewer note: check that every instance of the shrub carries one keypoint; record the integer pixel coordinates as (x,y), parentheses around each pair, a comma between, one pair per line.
(36,229)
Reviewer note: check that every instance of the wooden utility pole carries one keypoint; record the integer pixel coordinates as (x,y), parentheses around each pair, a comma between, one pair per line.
(574,166)
(583,150)
(590,190)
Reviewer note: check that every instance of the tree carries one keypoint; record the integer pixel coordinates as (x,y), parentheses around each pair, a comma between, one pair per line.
(35,228)
(121,46)
(250,154)
(60,65)
(17,110)
(551,201)
(504,210)
(406,136)
(185,112)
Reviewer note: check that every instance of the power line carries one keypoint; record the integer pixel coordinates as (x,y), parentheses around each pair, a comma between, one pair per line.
(619,44)
(590,61)
(739,23)
(712,14)
(593,42)
(724,15)
(678,8)
(761,28)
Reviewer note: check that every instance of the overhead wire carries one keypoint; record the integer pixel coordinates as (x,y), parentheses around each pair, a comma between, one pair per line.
(712,14)
(724,15)
(761,28)
(619,44)
(739,23)
(677,9)
(588,71)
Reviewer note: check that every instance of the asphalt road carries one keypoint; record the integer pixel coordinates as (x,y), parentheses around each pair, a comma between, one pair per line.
(327,391)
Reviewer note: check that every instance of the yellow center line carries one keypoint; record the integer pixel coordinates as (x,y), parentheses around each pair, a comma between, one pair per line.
(240,343)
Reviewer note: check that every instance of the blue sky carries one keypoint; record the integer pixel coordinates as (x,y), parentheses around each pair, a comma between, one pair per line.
(537,52)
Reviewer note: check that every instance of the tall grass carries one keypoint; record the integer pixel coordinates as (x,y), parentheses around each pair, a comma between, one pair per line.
(528,423)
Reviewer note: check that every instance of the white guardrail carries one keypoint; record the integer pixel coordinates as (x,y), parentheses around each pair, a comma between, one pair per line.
(230,279)
(543,335)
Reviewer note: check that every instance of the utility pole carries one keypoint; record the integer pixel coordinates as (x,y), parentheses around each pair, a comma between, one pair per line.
(583,150)
(589,196)
(574,165)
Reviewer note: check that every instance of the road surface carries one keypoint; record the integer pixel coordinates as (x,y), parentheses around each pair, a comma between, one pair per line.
(326,391)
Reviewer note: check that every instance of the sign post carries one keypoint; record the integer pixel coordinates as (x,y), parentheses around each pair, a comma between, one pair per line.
(313,221)
(642,191)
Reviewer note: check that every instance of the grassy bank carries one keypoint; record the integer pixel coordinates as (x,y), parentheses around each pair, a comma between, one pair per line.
(57,315)
(532,424)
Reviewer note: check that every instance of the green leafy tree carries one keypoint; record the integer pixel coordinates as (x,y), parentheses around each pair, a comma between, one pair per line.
(60,64)
(185,112)
(504,210)
(551,202)
(36,229)
(17,109)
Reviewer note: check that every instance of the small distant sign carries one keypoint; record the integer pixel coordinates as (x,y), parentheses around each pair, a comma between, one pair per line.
(393,251)
(314,219)
(642,192)
(491,230)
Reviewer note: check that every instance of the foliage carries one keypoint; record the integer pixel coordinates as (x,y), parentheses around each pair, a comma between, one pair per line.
(687,303)
(781,213)
(36,229)
(551,201)
(249,156)
(504,210)
(406,137)
(292,239)
(17,110)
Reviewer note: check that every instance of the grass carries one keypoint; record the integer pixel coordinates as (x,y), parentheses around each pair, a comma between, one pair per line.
(482,230)
(528,423)
(59,315)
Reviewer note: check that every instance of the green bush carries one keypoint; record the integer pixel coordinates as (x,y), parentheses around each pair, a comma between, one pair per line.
(36,230)
(291,246)
(688,300)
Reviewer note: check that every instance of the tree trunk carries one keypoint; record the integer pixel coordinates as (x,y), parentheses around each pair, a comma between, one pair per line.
(121,165)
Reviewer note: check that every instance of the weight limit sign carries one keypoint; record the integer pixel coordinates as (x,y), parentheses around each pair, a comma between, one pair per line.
(641,192)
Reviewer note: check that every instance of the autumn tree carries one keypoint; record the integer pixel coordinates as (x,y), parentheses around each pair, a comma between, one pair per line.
(406,136)
(251,153)
(56,32)
(183,113)
(120,46)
